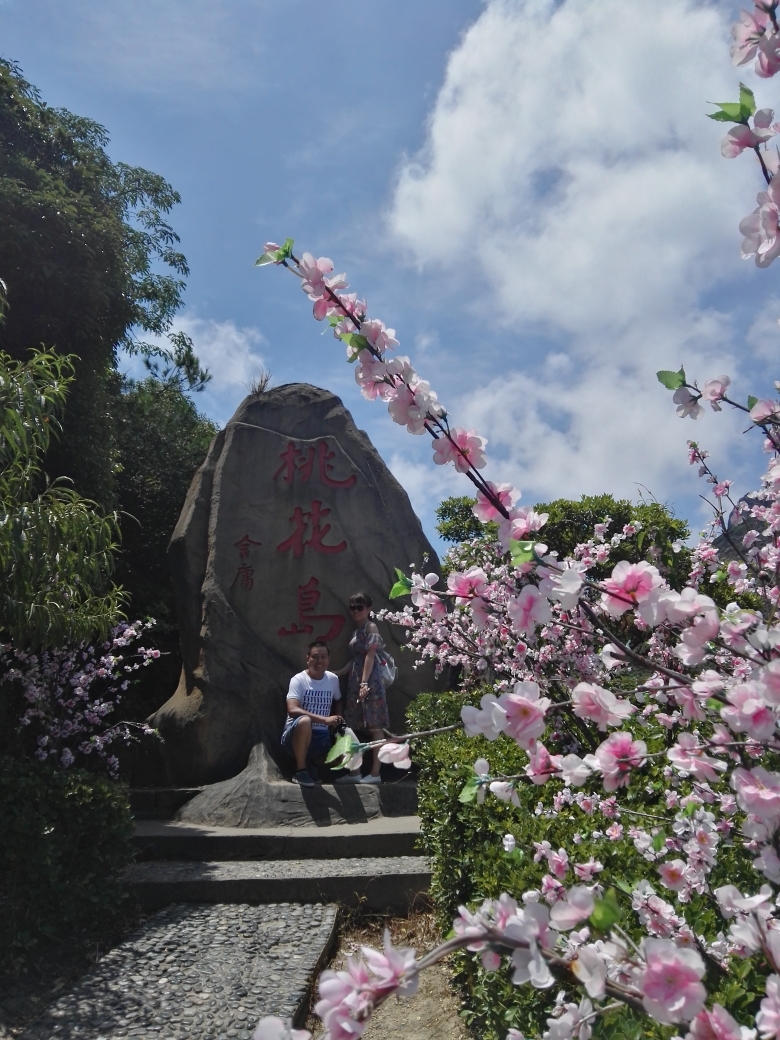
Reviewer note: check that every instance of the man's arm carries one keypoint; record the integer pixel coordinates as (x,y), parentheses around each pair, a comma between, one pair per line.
(294,709)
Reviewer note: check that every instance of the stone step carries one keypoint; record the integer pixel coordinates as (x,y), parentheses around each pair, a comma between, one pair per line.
(198,972)
(159,803)
(383,884)
(247,800)
(170,840)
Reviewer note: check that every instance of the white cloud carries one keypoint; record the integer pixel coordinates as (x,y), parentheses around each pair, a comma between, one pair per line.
(570,169)
(231,354)
(764,333)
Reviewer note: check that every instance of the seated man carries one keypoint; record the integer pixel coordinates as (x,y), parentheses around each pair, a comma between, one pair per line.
(309,699)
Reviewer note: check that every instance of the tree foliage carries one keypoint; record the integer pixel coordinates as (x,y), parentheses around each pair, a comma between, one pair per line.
(161,441)
(56,548)
(457,523)
(90,263)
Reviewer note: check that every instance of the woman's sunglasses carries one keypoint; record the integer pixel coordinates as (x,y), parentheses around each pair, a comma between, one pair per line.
(357,609)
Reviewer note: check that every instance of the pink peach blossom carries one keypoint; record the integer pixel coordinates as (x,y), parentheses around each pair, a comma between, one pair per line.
(463,448)
(617,756)
(484,509)
(398,755)
(768,1017)
(715,390)
(630,583)
(528,610)
(467,584)
(716,1024)
(758,792)
(760,228)
(671,984)
(542,766)
(673,875)
(687,403)
(747,34)
(577,906)
(525,713)
(600,706)
(272,1028)
(690,755)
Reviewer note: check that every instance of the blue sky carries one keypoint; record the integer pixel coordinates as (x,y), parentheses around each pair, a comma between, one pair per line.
(526,190)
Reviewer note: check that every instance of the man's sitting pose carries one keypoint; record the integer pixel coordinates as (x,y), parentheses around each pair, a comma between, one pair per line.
(309,699)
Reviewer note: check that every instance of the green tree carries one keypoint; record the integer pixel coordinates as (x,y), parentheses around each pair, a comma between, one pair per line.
(90,264)
(56,548)
(457,523)
(161,440)
(570,523)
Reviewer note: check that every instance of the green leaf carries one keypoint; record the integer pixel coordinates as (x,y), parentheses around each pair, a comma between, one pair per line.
(752,402)
(356,342)
(659,840)
(344,747)
(516,854)
(714,705)
(671,380)
(690,808)
(606,912)
(746,99)
(276,255)
(624,886)
(720,117)
(522,552)
(734,111)
(469,792)
(402,587)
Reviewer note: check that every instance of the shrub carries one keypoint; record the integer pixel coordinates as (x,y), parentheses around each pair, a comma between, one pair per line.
(66,839)
(469,864)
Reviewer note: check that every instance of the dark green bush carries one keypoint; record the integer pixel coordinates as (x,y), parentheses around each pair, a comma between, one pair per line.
(66,837)
(469,864)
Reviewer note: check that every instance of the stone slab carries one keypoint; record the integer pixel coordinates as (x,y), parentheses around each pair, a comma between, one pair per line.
(198,972)
(252,799)
(382,884)
(385,836)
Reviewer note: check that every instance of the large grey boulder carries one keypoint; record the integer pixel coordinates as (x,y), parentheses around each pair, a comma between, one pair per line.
(292,511)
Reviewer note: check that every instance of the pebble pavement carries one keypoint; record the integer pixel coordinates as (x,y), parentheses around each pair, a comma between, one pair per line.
(203,972)
(246,870)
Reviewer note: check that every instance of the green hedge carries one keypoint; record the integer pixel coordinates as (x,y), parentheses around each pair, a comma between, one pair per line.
(469,864)
(65,836)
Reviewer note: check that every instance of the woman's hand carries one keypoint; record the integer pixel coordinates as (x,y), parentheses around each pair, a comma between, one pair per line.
(364,691)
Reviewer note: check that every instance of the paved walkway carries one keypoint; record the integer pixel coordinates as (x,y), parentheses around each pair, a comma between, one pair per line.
(198,972)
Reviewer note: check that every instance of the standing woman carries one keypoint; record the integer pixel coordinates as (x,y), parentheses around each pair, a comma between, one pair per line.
(366,700)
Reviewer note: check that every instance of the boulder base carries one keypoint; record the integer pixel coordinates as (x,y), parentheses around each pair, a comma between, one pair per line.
(255,799)
(292,511)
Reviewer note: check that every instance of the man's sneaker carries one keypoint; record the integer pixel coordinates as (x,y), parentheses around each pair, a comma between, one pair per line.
(371,779)
(348,778)
(303,778)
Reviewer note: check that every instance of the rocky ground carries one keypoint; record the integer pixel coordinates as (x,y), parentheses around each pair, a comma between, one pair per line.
(59,978)
(434,1013)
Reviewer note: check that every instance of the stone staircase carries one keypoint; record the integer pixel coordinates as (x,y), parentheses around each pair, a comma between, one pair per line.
(371,863)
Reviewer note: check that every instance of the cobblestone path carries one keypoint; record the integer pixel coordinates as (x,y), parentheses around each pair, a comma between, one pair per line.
(196,971)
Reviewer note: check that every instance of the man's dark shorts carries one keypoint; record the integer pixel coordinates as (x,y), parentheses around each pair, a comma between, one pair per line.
(320,738)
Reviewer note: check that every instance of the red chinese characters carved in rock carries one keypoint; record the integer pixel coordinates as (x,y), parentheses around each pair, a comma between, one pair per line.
(244,546)
(308,598)
(311,519)
(301,463)
(244,572)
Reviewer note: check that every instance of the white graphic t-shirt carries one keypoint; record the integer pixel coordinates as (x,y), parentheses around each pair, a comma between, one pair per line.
(315,695)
